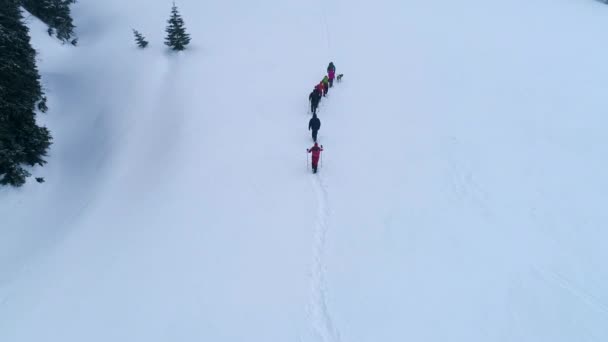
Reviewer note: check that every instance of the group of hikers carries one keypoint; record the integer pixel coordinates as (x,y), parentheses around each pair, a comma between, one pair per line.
(319,91)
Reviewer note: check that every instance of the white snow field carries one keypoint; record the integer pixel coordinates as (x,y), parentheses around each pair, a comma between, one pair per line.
(462,195)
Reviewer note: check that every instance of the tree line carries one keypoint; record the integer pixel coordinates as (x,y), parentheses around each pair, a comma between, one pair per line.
(22,141)
(56,14)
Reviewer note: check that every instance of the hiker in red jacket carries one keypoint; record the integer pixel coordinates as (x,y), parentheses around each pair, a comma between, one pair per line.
(320,88)
(316,154)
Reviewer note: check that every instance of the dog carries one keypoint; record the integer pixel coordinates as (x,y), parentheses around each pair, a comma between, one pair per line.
(339,78)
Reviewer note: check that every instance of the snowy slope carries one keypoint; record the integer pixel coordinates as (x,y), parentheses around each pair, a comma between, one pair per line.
(461,194)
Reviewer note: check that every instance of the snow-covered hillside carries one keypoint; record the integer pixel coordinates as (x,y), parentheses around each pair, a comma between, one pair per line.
(461,196)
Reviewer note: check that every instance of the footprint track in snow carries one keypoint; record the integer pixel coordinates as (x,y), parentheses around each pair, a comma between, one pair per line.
(585,296)
(319,312)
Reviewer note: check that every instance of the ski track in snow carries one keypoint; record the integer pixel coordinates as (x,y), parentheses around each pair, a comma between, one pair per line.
(567,285)
(320,316)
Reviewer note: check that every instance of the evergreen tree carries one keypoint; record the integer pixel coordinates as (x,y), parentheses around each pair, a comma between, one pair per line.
(56,14)
(22,141)
(177,38)
(140,39)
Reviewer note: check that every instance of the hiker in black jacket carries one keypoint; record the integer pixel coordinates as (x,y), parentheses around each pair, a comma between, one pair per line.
(314,98)
(314,124)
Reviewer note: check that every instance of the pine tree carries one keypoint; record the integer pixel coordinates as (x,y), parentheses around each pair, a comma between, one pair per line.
(56,14)
(63,21)
(177,38)
(140,39)
(22,141)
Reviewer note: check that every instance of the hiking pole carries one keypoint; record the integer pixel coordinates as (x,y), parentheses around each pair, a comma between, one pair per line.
(321,158)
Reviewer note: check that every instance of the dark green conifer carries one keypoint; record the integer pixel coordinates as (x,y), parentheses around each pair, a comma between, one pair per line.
(140,39)
(177,38)
(22,141)
(56,14)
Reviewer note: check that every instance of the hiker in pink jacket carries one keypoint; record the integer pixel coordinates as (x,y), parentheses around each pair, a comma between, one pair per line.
(331,72)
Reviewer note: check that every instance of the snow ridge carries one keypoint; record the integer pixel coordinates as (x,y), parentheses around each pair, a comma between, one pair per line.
(321,318)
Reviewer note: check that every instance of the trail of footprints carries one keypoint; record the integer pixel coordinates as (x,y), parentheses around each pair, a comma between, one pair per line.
(321,319)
